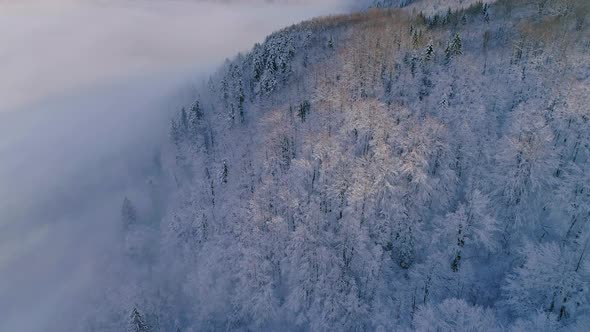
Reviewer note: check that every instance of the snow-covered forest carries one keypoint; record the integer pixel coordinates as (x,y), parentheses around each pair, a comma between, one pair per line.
(388,170)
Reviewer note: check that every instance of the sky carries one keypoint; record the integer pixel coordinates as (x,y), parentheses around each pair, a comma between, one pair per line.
(86,88)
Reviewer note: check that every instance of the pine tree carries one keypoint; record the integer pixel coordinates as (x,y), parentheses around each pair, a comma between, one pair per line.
(137,322)
(224,172)
(241,99)
(128,213)
(429,52)
(194,118)
(457,45)
(455,48)
(196,113)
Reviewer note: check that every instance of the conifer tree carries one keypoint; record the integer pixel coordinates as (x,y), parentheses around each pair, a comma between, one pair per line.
(429,52)
(128,213)
(455,48)
(137,322)
(224,172)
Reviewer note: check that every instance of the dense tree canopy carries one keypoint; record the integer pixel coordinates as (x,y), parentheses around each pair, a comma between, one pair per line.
(384,170)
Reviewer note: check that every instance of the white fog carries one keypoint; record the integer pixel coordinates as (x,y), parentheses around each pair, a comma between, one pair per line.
(86,92)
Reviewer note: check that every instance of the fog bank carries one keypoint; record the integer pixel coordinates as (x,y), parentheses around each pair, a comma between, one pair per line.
(51,47)
(85,93)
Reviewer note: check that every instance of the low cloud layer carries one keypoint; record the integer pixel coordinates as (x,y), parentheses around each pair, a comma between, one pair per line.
(52,47)
(85,90)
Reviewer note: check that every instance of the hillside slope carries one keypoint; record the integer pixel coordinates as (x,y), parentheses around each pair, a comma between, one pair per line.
(386,170)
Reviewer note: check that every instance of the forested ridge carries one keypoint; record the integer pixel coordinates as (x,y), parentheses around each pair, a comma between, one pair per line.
(386,170)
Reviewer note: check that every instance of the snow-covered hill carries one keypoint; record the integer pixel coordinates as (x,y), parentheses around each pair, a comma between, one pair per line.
(386,170)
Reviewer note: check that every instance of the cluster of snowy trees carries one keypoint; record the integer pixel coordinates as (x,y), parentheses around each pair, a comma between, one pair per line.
(377,171)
